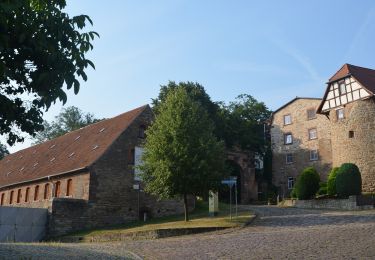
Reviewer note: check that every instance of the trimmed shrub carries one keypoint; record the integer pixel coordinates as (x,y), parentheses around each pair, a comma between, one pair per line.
(293,194)
(322,189)
(307,184)
(348,180)
(331,183)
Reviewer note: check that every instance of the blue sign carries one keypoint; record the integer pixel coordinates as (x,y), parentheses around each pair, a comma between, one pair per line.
(229,182)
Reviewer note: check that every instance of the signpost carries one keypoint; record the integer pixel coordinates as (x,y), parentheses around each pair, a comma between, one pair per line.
(232,181)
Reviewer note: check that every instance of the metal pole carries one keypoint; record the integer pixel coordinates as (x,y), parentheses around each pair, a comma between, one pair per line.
(236,200)
(230,201)
(139,212)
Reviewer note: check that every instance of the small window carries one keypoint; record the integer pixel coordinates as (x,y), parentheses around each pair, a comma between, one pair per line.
(69,187)
(289,158)
(142,132)
(46,191)
(342,88)
(27,194)
(351,134)
(57,189)
(290,183)
(287,119)
(131,156)
(311,114)
(36,193)
(312,134)
(11,197)
(340,114)
(288,138)
(314,155)
(19,196)
(2,199)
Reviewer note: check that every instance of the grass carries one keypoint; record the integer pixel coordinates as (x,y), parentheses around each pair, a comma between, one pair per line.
(198,218)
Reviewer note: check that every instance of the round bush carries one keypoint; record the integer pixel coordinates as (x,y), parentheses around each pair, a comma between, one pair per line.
(348,180)
(322,189)
(307,184)
(331,183)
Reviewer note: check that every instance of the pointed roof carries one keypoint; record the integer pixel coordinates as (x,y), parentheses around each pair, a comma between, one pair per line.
(365,76)
(73,151)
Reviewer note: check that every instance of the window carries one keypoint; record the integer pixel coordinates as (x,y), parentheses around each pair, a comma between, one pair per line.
(340,114)
(311,114)
(36,193)
(290,183)
(288,138)
(342,88)
(19,196)
(2,199)
(11,197)
(131,156)
(289,158)
(141,132)
(46,191)
(287,119)
(314,156)
(57,189)
(351,134)
(27,194)
(312,134)
(69,187)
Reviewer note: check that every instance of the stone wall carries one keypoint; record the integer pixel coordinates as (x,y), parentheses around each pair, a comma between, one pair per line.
(360,149)
(302,145)
(352,203)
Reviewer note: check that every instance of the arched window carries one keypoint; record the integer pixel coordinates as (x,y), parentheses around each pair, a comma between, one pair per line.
(57,189)
(69,187)
(2,199)
(36,192)
(46,191)
(27,194)
(11,197)
(141,131)
(19,196)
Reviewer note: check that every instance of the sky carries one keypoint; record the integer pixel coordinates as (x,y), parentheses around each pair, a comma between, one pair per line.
(272,50)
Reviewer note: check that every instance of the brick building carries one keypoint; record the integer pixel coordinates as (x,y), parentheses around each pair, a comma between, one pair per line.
(85,178)
(299,138)
(325,133)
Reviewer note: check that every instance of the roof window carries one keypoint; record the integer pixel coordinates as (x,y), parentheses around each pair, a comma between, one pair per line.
(72,154)
(77,138)
(52,146)
(101,130)
(95,147)
(52,159)
(35,164)
(23,168)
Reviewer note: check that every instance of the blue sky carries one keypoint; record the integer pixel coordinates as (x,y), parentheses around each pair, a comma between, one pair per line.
(273,50)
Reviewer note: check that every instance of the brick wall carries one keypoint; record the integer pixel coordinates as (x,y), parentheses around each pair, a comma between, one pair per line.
(302,145)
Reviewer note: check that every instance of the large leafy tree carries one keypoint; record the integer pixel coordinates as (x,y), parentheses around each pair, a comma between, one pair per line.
(42,50)
(69,119)
(182,155)
(3,151)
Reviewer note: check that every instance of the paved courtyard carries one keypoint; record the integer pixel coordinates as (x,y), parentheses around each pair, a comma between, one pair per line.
(277,233)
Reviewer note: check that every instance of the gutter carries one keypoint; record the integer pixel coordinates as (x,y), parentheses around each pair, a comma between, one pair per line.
(78,170)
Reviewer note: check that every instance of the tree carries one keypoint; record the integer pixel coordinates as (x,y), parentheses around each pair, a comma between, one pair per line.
(348,180)
(69,119)
(307,184)
(182,156)
(3,151)
(42,50)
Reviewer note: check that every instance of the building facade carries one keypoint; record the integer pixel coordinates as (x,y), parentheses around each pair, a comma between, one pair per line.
(85,178)
(299,138)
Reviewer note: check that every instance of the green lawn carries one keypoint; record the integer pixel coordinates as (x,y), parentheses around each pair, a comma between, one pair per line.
(199,218)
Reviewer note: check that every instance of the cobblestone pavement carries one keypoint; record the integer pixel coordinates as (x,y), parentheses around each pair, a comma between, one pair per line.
(277,233)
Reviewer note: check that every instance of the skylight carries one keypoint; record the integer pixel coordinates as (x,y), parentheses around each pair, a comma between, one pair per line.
(9,173)
(35,164)
(52,146)
(95,147)
(101,130)
(22,169)
(70,155)
(77,138)
(52,159)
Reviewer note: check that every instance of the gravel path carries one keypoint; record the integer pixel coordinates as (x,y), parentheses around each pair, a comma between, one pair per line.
(277,233)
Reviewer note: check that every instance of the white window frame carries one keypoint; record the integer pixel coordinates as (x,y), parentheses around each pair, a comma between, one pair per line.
(290,183)
(313,133)
(339,115)
(314,155)
(288,140)
(308,115)
(289,121)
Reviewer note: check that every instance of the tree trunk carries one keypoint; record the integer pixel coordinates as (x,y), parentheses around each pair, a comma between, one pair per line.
(186,207)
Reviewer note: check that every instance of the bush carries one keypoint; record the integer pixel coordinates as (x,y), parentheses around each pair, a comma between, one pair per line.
(331,183)
(293,194)
(322,189)
(348,180)
(307,184)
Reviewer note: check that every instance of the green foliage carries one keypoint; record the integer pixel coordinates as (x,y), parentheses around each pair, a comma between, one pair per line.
(307,184)
(331,183)
(182,155)
(69,119)
(42,50)
(293,193)
(322,189)
(3,151)
(348,180)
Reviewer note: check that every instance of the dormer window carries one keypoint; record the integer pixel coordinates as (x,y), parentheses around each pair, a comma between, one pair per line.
(287,119)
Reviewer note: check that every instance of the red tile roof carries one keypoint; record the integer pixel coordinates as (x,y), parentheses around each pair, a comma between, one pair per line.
(72,151)
(365,76)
